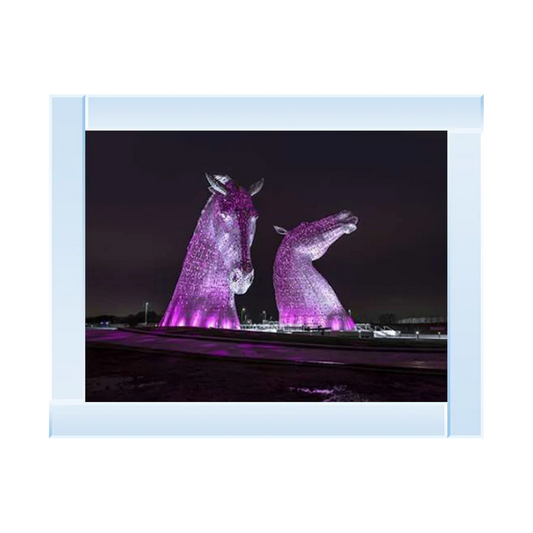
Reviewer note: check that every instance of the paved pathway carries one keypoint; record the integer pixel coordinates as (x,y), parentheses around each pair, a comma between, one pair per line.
(393,360)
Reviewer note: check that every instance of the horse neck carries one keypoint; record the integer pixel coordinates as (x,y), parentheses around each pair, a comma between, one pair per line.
(297,270)
(290,264)
(204,264)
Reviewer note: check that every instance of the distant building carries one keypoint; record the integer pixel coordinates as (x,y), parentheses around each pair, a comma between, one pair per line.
(423,320)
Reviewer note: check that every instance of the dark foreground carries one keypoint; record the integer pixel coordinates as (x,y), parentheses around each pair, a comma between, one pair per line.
(124,375)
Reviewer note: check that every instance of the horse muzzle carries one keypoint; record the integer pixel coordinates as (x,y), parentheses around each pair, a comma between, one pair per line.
(240,280)
(348,221)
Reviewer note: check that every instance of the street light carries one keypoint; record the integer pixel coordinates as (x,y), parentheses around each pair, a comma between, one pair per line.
(146,314)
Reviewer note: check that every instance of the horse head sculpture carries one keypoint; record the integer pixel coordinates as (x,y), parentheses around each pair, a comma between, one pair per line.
(303,295)
(218,263)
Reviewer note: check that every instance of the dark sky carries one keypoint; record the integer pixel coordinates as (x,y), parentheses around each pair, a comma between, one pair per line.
(145,191)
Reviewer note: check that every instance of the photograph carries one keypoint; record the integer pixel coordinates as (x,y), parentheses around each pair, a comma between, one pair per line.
(266,266)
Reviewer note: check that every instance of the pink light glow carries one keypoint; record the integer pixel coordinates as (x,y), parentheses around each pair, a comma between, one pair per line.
(212,322)
(218,264)
(303,295)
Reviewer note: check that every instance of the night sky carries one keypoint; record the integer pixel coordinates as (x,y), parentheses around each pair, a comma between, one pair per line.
(145,192)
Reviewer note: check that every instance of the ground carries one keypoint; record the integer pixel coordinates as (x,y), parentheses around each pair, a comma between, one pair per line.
(123,375)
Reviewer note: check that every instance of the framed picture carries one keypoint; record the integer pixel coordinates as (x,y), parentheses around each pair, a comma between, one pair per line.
(266,266)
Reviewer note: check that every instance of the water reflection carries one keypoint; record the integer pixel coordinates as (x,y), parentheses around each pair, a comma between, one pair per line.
(335,394)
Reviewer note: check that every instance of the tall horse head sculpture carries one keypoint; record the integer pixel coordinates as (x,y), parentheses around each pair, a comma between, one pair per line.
(218,264)
(303,295)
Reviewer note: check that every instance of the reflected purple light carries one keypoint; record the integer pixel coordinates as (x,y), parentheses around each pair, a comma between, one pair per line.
(218,264)
(303,295)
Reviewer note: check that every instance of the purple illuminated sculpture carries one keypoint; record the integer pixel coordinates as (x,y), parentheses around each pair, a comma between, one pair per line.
(303,296)
(218,264)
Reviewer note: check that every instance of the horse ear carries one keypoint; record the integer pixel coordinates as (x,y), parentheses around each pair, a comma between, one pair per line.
(216,185)
(256,187)
(281,231)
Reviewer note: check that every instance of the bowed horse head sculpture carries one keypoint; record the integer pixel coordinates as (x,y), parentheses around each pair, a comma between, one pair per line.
(303,295)
(218,263)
